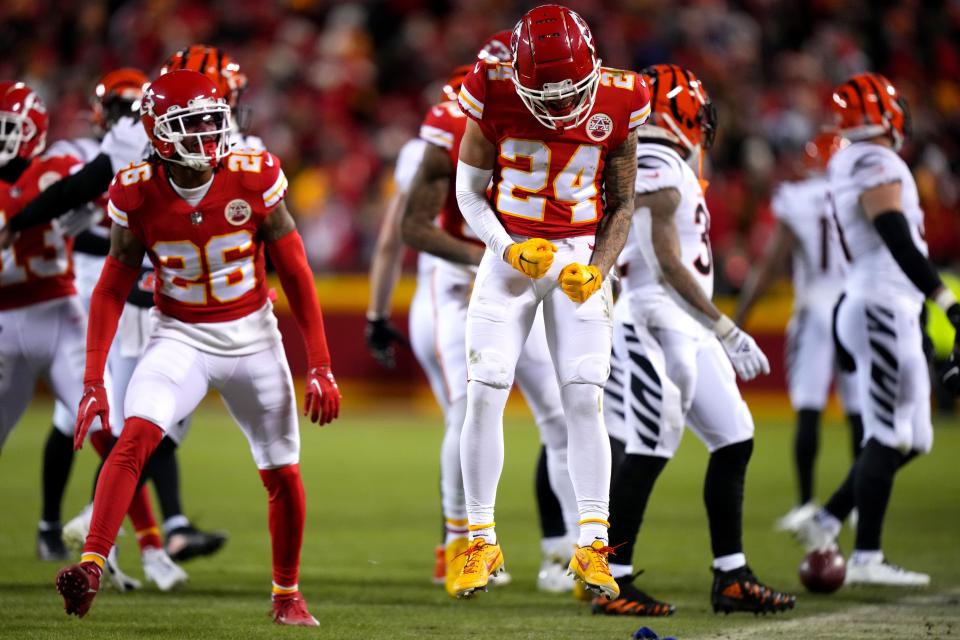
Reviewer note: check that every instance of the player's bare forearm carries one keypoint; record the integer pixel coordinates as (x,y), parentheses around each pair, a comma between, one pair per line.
(277,224)
(619,175)
(126,247)
(387,259)
(475,149)
(427,194)
(662,205)
(771,265)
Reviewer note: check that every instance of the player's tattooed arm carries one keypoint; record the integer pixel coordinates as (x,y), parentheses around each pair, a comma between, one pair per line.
(427,194)
(772,264)
(619,175)
(278,223)
(126,247)
(662,206)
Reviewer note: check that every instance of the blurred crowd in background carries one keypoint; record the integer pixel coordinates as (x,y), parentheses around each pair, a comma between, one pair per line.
(336,88)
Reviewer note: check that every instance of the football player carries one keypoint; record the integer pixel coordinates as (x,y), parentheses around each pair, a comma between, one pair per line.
(877,320)
(204,215)
(806,231)
(674,355)
(555,132)
(457,252)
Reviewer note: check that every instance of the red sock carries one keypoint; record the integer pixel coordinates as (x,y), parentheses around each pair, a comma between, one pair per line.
(140,511)
(287,514)
(118,482)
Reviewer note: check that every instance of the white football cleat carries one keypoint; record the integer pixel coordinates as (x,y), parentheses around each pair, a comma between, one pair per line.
(159,569)
(795,517)
(815,535)
(76,530)
(116,578)
(500,579)
(877,571)
(553,577)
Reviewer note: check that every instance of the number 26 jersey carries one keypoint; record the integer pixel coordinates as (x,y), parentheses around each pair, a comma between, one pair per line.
(208,257)
(549,183)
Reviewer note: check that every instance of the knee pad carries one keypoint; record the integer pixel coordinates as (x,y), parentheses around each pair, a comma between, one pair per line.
(592,369)
(490,368)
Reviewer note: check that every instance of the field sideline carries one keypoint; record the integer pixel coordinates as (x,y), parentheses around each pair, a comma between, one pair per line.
(373,519)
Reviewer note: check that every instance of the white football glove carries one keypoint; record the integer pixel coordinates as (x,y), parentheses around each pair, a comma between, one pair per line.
(747,358)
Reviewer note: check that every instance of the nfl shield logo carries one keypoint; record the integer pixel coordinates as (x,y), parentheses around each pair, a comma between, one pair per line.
(196,218)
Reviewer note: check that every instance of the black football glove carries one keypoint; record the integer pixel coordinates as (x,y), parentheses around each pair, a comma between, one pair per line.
(381,335)
(951,375)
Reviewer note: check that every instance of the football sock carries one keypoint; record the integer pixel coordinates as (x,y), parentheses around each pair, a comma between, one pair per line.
(558,477)
(144,523)
(593,529)
(805,444)
(723,497)
(548,507)
(872,488)
(481,450)
(840,503)
(865,557)
(856,432)
(590,466)
(102,443)
(620,570)
(451,476)
(163,470)
(287,513)
(57,461)
(118,482)
(618,452)
(628,501)
(454,529)
(486,531)
(730,562)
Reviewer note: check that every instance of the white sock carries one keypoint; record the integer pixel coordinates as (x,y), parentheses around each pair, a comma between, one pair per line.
(175,522)
(451,475)
(731,562)
(590,467)
(866,557)
(558,473)
(557,547)
(620,570)
(593,528)
(455,529)
(489,534)
(827,520)
(481,453)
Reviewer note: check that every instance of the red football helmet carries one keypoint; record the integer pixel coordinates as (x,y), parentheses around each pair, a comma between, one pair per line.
(867,105)
(118,94)
(23,122)
(680,109)
(495,49)
(212,62)
(186,119)
(556,70)
(817,152)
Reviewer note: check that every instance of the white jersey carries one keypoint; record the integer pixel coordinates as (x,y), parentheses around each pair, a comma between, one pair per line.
(84,149)
(126,142)
(660,167)
(818,261)
(853,170)
(408,161)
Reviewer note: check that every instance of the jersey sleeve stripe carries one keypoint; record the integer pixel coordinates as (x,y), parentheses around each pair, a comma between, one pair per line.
(437,136)
(639,116)
(118,216)
(275,194)
(470,104)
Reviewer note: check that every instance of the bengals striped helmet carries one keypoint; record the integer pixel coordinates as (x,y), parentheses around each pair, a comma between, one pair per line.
(867,105)
(212,62)
(680,109)
(118,94)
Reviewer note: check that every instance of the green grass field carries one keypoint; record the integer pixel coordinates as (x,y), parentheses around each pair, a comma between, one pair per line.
(373,520)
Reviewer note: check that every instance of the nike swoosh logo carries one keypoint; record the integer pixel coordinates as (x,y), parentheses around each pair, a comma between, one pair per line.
(584,564)
(492,563)
(316,385)
(86,408)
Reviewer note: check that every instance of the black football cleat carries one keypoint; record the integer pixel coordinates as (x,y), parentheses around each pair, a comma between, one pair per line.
(631,602)
(186,543)
(739,590)
(50,547)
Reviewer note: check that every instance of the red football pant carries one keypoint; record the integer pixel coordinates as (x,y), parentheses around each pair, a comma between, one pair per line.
(117,487)
(287,515)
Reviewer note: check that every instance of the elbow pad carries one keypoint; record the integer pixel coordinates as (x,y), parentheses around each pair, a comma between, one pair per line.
(893,229)
(471,190)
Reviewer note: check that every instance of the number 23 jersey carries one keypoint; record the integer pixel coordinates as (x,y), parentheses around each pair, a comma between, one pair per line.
(549,183)
(208,257)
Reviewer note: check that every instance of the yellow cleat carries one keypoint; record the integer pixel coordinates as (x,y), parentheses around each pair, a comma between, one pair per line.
(589,566)
(455,554)
(532,257)
(481,560)
(580,592)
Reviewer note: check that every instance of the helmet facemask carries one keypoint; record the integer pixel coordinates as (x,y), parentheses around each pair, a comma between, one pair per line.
(15,129)
(561,105)
(198,133)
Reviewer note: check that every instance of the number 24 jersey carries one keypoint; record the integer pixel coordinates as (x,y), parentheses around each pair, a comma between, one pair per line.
(209,257)
(549,183)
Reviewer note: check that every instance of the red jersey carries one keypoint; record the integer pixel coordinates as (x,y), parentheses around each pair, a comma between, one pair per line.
(443,126)
(39,265)
(209,257)
(547,183)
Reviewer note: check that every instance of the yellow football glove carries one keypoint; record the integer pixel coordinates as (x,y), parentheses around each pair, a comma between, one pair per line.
(532,257)
(580,281)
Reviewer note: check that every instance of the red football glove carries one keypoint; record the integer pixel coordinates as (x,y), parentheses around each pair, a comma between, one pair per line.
(92,404)
(322,400)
